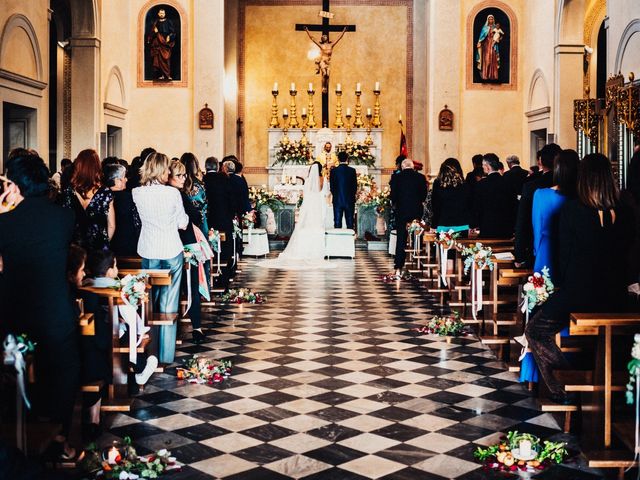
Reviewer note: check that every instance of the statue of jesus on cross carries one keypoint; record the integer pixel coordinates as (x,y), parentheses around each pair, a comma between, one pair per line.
(326,50)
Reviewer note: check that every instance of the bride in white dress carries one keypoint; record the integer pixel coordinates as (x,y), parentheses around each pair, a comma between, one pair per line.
(306,247)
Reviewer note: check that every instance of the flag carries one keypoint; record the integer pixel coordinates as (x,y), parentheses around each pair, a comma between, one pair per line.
(403,142)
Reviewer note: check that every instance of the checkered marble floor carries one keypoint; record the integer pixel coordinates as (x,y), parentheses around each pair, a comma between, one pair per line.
(330,382)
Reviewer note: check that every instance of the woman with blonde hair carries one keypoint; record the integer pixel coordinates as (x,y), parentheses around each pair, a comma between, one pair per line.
(162,215)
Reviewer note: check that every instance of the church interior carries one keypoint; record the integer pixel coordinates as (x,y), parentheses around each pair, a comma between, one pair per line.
(472,316)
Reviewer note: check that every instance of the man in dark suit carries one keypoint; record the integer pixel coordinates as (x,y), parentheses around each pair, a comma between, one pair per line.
(408,192)
(344,186)
(495,202)
(524,229)
(516,175)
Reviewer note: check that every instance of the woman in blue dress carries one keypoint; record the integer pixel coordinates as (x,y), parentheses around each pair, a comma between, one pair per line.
(547,203)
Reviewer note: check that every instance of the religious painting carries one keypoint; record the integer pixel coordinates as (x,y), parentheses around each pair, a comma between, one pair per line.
(162,45)
(445,119)
(492,37)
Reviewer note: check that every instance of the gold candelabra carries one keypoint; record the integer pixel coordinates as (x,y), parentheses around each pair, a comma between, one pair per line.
(368,140)
(285,127)
(348,117)
(303,140)
(293,118)
(275,122)
(357,122)
(376,110)
(338,123)
(311,121)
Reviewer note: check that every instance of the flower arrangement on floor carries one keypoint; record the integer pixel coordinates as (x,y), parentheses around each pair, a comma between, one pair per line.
(445,326)
(537,290)
(292,153)
(521,452)
(121,462)
(446,240)
(133,288)
(359,153)
(242,295)
(393,277)
(479,255)
(380,200)
(204,370)
(261,197)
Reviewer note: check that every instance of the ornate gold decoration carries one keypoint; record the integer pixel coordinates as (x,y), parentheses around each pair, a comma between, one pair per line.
(304,140)
(357,122)
(628,108)
(585,118)
(368,140)
(594,15)
(205,118)
(275,122)
(348,117)
(377,123)
(614,83)
(311,121)
(293,117)
(338,123)
(285,127)
(66,103)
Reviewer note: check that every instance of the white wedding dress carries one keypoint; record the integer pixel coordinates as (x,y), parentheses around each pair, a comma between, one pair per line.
(306,247)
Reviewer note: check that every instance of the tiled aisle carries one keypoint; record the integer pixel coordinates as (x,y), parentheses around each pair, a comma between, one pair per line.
(330,382)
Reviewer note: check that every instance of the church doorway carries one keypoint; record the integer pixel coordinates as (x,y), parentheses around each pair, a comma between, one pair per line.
(19,127)
(538,140)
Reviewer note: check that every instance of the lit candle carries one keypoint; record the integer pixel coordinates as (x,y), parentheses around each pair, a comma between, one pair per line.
(525,448)
(338,88)
(285,112)
(275,87)
(348,112)
(311,87)
(293,86)
(400,117)
(377,87)
(368,112)
(358,87)
(112,456)
(304,111)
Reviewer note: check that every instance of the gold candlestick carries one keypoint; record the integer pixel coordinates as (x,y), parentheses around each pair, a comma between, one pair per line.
(357,122)
(275,122)
(368,140)
(338,123)
(377,123)
(293,118)
(311,122)
(285,127)
(348,116)
(304,140)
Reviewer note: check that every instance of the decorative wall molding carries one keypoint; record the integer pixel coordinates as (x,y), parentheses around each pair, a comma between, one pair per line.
(20,21)
(630,30)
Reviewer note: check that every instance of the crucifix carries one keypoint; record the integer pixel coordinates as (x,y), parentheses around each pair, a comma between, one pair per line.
(326,49)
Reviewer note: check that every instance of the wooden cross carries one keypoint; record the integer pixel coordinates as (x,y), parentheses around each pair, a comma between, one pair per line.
(325,28)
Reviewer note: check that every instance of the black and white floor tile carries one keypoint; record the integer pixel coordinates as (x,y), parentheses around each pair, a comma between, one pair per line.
(331,382)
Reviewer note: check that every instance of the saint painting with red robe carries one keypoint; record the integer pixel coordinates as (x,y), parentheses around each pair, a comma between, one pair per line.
(161,39)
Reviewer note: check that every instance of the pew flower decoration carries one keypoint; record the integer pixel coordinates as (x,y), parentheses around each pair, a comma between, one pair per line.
(445,326)
(237,231)
(417,227)
(634,370)
(123,463)
(359,153)
(133,288)
(261,197)
(204,370)
(15,348)
(479,255)
(242,295)
(446,240)
(249,219)
(292,153)
(214,240)
(522,452)
(537,289)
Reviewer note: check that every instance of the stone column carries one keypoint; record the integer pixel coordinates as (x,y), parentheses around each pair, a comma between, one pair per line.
(569,63)
(85,96)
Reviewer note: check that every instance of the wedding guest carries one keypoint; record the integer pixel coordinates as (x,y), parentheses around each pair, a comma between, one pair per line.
(595,235)
(237,185)
(408,193)
(547,203)
(125,238)
(524,234)
(495,202)
(516,175)
(162,215)
(56,177)
(177,178)
(451,199)
(211,165)
(245,187)
(91,202)
(194,188)
(34,243)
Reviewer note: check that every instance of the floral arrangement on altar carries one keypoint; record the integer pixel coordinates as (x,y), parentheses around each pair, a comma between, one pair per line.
(133,288)
(242,295)
(417,227)
(479,255)
(359,153)
(634,369)
(260,196)
(204,370)
(292,153)
(446,240)
(445,326)
(537,289)
(121,462)
(299,202)
(366,188)
(521,452)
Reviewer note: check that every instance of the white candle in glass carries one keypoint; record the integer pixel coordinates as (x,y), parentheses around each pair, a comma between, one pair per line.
(525,448)
(377,87)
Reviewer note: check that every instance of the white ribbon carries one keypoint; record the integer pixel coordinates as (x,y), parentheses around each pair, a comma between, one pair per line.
(130,314)
(13,356)
(443,263)
(476,290)
(250,229)
(522,339)
(189,299)
(219,252)
(416,247)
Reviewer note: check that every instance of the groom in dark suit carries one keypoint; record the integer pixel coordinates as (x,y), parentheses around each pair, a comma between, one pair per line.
(344,186)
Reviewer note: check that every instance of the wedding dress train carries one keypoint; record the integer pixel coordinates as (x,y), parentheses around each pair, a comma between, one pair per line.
(306,247)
